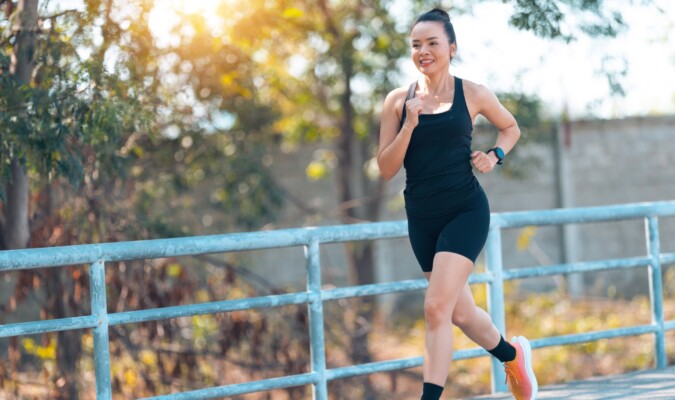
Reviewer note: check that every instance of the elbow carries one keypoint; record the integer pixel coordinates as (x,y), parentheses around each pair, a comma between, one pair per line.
(515,132)
(386,176)
(384,172)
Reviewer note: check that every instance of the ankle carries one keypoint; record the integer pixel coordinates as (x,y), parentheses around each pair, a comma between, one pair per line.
(431,391)
(504,351)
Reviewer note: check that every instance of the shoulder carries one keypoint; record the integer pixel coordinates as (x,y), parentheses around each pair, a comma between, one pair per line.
(476,91)
(479,98)
(396,98)
(397,94)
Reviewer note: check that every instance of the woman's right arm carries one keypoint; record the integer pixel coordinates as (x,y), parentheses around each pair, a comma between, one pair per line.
(394,141)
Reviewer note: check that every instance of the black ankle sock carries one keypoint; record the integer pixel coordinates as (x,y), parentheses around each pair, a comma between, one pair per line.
(504,351)
(431,391)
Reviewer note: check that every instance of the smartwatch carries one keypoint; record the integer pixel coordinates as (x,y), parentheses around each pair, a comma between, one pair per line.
(499,153)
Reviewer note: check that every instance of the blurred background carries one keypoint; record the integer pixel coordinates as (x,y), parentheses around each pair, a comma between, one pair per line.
(138,119)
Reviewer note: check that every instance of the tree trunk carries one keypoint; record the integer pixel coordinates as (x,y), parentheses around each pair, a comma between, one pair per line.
(356,204)
(15,229)
(68,342)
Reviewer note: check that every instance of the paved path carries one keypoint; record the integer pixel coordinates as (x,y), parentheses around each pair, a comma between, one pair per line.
(644,385)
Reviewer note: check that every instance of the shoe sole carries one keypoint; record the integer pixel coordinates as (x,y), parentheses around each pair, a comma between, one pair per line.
(527,349)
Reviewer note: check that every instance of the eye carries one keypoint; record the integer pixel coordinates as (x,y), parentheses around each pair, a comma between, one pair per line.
(434,43)
(416,46)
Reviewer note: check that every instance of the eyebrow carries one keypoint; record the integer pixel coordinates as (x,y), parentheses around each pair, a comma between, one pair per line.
(431,38)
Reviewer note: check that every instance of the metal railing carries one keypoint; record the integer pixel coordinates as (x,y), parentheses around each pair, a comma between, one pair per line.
(311,238)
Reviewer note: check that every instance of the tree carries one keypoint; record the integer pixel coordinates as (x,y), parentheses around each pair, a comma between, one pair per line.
(78,120)
(14,233)
(62,116)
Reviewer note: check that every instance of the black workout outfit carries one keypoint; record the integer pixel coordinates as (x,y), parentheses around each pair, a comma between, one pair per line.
(446,207)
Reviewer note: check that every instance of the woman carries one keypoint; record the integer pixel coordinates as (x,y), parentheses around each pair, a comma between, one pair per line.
(427,128)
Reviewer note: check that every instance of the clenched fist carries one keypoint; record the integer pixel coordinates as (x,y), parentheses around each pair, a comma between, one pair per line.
(413,110)
(484,163)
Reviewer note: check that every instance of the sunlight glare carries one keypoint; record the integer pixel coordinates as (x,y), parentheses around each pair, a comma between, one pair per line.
(165,16)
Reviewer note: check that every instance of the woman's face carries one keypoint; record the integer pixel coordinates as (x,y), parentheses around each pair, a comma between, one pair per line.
(431,50)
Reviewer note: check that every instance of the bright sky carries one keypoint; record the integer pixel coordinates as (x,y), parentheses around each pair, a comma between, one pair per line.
(502,58)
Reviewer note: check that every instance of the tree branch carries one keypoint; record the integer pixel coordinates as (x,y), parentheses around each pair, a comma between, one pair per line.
(60,14)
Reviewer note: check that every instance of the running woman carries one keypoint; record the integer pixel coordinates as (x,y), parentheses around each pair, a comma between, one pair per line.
(427,128)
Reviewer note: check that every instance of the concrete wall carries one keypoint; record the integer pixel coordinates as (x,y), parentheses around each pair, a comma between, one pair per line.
(606,162)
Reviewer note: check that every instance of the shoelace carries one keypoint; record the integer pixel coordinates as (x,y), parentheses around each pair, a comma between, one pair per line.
(510,374)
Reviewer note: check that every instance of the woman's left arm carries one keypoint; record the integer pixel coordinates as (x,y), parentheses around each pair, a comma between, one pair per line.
(488,105)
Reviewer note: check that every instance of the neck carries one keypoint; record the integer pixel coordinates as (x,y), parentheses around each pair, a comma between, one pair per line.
(439,83)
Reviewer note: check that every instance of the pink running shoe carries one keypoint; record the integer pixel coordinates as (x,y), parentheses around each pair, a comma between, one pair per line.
(519,374)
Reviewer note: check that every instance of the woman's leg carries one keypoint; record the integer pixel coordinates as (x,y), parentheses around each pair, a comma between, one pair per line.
(446,283)
(474,321)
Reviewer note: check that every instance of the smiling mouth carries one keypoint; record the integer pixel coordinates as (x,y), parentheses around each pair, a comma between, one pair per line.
(424,63)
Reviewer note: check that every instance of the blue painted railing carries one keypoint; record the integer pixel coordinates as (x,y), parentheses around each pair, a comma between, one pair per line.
(311,238)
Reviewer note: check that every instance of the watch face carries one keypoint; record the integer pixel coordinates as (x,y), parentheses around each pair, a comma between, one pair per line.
(499,152)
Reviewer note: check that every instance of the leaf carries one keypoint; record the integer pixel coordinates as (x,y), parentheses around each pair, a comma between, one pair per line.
(316,170)
(138,151)
(525,237)
(174,270)
(293,12)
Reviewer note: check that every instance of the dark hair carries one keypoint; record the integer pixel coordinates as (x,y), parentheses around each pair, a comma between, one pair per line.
(438,15)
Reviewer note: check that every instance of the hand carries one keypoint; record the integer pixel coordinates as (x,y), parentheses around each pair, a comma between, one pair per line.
(413,110)
(484,163)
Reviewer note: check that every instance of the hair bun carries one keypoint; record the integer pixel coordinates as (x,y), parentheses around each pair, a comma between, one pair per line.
(440,12)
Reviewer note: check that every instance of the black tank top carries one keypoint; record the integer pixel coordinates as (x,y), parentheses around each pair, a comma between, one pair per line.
(439,175)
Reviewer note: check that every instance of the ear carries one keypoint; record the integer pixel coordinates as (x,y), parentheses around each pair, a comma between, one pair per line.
(453,50)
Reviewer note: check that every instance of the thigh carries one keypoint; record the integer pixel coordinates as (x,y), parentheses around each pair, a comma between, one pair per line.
(467,232)
(423,234)
(448,279)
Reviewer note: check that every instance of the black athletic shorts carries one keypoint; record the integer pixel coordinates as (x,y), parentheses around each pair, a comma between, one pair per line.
(462,230)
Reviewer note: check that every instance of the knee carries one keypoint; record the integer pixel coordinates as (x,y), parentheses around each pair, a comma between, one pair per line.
(436,313)
(463,318)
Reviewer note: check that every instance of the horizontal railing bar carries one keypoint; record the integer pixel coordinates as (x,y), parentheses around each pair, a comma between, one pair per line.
(667,258)
(129,317)
(242,388)
(373,289)
(579,338)
(50,325)
(582,215)
(669,325)
(390,287)
(187,246)
(370,368)
(392,365)
(583,266)
(187,310)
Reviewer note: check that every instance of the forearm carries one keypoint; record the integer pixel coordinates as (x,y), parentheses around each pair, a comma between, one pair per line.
(391,158)
(506,140)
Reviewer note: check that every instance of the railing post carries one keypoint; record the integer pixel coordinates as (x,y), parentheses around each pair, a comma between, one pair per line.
(656,289)
(495,299)
(99,309)
(315,309)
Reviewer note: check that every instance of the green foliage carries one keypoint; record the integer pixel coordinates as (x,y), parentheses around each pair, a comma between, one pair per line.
(72,109)
(550,19)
